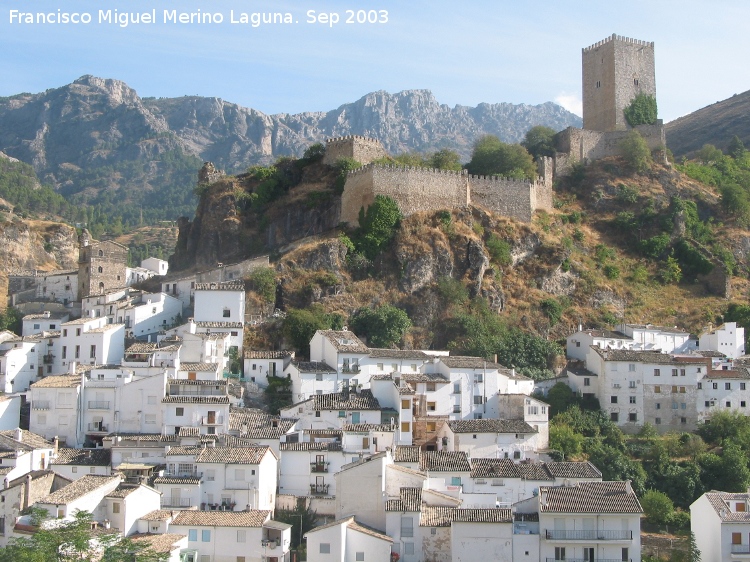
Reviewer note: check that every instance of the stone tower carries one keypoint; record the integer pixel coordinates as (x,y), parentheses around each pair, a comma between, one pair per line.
(102,266)
(615,70)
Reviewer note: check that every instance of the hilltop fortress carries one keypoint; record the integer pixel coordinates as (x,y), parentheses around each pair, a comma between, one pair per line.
(615,70)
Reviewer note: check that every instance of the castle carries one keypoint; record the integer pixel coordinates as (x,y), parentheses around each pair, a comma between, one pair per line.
(615,70)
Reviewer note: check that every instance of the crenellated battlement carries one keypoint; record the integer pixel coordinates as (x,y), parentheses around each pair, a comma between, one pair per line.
(615,37)
(362,149)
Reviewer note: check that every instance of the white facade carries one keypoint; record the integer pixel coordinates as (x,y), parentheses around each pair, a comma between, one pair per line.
(647,337)
(155,312)
(259,365)
(159,267)
(10,412)
(44,322)
(308,468)
(577,344)
(729,339)
(18,365)
(720,522)
(346,540)
(60,287)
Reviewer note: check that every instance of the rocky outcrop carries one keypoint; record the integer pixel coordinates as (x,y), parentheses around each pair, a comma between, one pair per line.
(37,245)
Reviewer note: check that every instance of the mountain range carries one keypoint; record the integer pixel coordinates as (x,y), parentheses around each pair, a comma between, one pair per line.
(96,140)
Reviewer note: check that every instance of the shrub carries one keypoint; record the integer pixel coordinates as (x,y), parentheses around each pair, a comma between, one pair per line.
(611,271)
(263,282)
(627,194)
(578,235)
(636,152)
(499,250)
(384,326)
(452,291)
(378,226)
(670,272)
(641,111)
(655,246)
(657,507)
(552,309)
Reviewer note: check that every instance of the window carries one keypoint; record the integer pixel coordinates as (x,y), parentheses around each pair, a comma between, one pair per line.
(359,556)
(405,404)
(657,421)
(742,386)
(193,535)
(478,400)
(613,399)
(683,420)
(478,377)
(179,412)
(325,548)
(631,367)
(727,386)
(614,416)
(683,405)
(405,427)
(633,417)
(455,480)
(708,404)
(657,389)
(632,399)
(150,418)
(74,470)
(92,470)
(317,413)
(342,413)
(728,404)
(682,372)
(457,388)
(736,538)
(657,372)
(407,527)
(240,535)
(430,387)
(115,506)
(674,390)
(65,352)
(700,385)
(78,349)
(682,390)
(631,384)
(430,406)
(226,313)
(380,367)
(206,535)
(715,385)
(430,427)
(674,405)
(560,550)
(587,382)
(742,403)
(78,331)
(578,344)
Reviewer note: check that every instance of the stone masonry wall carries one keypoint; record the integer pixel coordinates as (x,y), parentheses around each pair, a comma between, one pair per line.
(362,149)
(582,145)
(615,70)
(112,262)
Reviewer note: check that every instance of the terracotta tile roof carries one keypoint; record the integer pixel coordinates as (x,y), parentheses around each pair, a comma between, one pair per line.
(143,437)
(105,328)
(313,367)
(186,451)
(164,543)
(381,377)
(410,499)
(405,470)
(311,446)
(256,424)
(124,490)
(223,325)
(28,442)
(490,426)
(706,353)
(58,381)
(460,515)
(665,329)
(258,354)
(199,367)
(607,334)
(196,382)
(398,353)
(221,286)
(142,347)
(589,497)
(495,468)
(352,524)
(534,471)
(158,515)
(444,461)
(185,480)
(406,390)
(406,453)
(720,501)
(423,377)
(363,400)
(367,427)
(252,518)
(84,457)
(195,400)
(345,341)
(187,431)
(573,470)
(46,316)
(79,488)
(232,455)
(436,516)
(645,356)
(461,362)
(735,373)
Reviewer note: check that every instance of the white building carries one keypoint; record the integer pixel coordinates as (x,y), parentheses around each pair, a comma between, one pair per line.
(19,364)
(221,306)
(259,365)
(665,339)
(10,412)
(346,540)
(75,463)
(58,286)
(577,344)
(332,411)
(159,267)
(509,439)
(22,452)
(44,322)
(92,341)
(729,339)
(720,522)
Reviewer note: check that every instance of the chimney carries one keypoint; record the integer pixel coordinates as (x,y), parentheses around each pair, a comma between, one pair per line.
(628,487)
(18,434)
(6,483)
(72,368)
(27,492)
(56,445)
(46,313)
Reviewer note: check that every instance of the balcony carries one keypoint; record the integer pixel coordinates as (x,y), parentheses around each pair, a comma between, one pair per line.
(176,502)
(183,473)
(319,489)
(212,420)
(740,549)
(319,466)
(40,405)
(589,535)
(98,405)
(353,369)
(98,427)
(48,359)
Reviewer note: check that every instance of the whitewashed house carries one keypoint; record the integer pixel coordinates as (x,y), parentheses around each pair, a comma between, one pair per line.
(10,412)
(332,411)
(720,522)
(509,439)
(259,365)
(578,343)
(19,364)
(307,467)
(159,267)
(75,463)
(22,452)
(729,339)
(45,322)
(346,539)
(58,286)
(664,339)
(202,404)
(221,306)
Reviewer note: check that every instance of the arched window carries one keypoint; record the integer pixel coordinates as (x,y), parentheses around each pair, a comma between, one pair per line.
(101,253)
(100,269)
(101,286)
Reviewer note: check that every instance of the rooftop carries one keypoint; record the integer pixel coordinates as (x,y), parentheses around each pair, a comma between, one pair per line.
(589,497)
(199,367)
(85,457)
(363,400)
(28,441)
(58,381)
(444,461)
(163,543)
(313,367)
(645,356)
(79,488)
(207,324)
(406,453)
(490,426)
(398,354)
(252,518)
(344,340)
(721,502)
(232,455)
(410,499)
(225,286)
(311,446)
(257,354)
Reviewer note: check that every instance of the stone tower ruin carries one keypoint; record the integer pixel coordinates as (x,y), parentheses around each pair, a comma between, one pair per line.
(615,70)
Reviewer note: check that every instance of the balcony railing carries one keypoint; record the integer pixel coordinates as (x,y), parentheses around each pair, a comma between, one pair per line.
(740,549)
(98,427)
(588,535)
(40,405)
(350,369)
(319,466)
(184,474)
(319,489)
(176,502)
(48,359)
(215,420)
(98,405)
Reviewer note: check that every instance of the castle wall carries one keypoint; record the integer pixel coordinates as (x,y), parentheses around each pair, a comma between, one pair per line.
(362,149)
(101,267)
(615,70)
(581,145)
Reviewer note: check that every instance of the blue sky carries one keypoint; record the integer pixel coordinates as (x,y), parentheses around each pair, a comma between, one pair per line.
(465,52)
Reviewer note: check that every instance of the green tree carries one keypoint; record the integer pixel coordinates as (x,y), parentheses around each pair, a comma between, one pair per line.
(560,397)
(670,272)
(263,282)
(735,200)
(300,326)
(540,141)
(278,393)
(736,148)
(299,515)
(615,465)
(657,507)
(499,250)
(377,226)
(636,152)
(383,326)
(709,154)
(445,159)
(552,309)
(10,319)
(492,157)
(564,438)
(641,111)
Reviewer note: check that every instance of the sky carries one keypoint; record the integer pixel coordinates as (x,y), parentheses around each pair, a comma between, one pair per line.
(465,52)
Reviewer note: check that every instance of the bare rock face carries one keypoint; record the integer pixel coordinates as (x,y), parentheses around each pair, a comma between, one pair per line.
(423,266)
(45,246)
(329,255)
(559,283)
(477,263)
